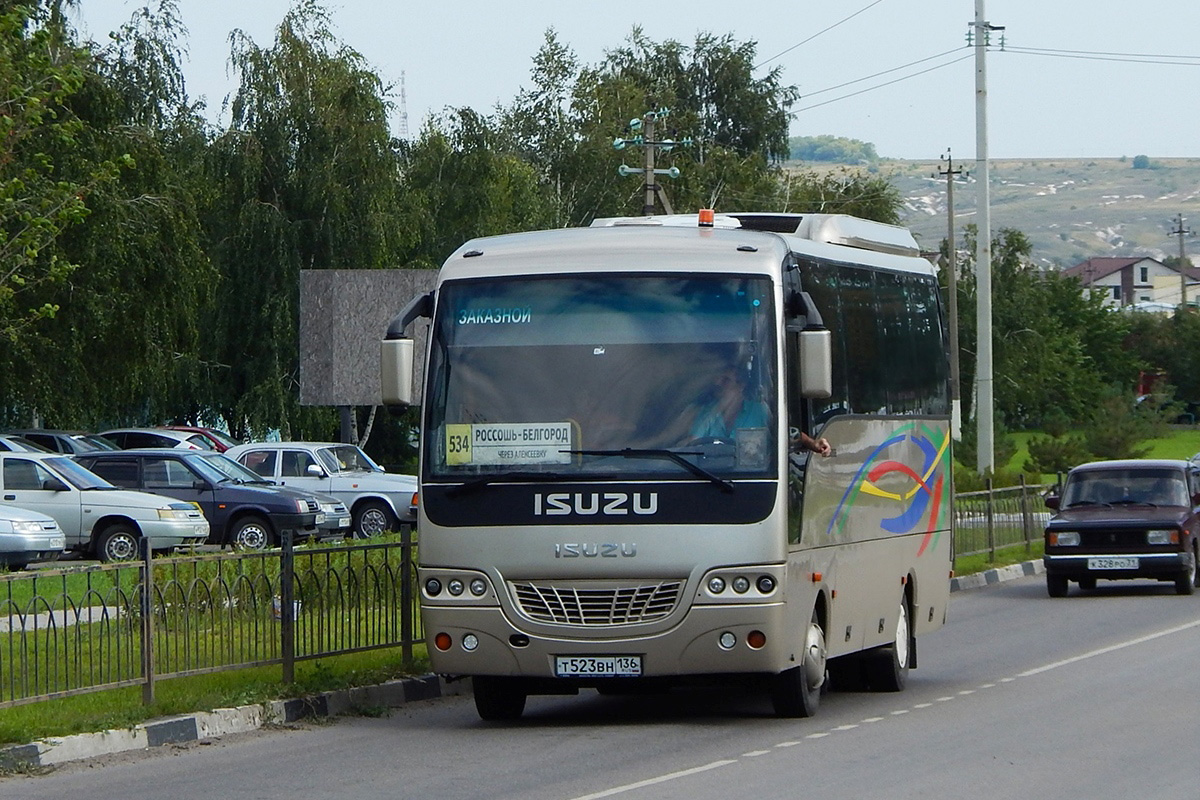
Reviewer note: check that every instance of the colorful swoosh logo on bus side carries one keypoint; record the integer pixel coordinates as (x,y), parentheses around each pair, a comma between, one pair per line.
(923,500)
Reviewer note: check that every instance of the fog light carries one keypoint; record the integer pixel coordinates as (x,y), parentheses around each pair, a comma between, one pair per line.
(454,586)
(741,584)
(478,587)
(756,639)
(469,642)
(716,585)
(727,640)
(433,587)
(766,584)
(442,642)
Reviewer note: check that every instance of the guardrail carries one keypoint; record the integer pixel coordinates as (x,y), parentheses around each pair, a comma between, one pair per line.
(994,518)
(74,630)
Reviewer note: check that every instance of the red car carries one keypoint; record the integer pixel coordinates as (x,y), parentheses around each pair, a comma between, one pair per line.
(220,441)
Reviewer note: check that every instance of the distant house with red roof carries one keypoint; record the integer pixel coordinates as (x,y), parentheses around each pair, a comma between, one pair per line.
(1140,283)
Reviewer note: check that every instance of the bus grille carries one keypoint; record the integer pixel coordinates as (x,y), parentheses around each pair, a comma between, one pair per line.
(571,604)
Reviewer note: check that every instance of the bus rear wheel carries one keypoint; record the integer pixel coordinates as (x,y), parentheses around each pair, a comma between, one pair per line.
(887,666)
(797,692)
(498,699)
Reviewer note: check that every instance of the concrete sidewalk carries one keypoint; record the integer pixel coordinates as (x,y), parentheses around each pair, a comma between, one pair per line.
(210,724)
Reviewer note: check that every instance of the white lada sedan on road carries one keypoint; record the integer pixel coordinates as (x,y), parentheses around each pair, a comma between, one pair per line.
(379,501)
(96,517)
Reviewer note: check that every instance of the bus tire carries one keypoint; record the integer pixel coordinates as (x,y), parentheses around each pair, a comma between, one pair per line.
(887,666)
(498,699)
(796,692)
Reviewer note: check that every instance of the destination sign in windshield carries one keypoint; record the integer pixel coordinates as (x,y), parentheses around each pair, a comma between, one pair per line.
(508,443)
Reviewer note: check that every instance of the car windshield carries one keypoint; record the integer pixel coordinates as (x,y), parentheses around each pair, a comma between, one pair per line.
(76,475)
(218,467)
(224,438)
(1131,486)
(618,375)
(347,458)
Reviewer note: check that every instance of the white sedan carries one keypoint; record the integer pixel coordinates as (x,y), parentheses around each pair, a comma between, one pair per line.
(27,536)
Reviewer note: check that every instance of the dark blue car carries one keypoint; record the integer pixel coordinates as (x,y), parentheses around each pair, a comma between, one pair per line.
(243,510)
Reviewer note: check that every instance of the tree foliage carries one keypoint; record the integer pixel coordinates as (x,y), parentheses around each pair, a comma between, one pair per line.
(832,149)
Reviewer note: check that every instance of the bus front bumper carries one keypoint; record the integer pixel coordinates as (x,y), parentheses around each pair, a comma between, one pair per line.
(697,645)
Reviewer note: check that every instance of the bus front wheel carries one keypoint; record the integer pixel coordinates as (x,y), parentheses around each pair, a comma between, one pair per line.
(498,699)
(797,692)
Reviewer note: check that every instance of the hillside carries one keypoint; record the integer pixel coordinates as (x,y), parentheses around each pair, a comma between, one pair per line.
(1071,209)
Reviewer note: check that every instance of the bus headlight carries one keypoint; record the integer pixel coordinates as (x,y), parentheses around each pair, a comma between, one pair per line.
(766,584)
(433,587)
(454,586)
(478,587)
(741,584)
(716,584)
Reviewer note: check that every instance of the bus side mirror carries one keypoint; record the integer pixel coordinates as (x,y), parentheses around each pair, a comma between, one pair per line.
(816,363)
(395,371)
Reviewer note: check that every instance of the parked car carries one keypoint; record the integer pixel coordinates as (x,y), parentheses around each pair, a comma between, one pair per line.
(379,501)
(69,442)
(28,536)
(96,517)
(1119,520)
(19,444)
(219,440)
(130,438)
(243,510)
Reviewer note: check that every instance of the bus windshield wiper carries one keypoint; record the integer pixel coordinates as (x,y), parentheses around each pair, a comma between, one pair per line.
(662,455)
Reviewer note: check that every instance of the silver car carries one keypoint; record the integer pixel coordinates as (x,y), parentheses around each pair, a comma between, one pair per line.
(378,501)
(27,536)
(96,517)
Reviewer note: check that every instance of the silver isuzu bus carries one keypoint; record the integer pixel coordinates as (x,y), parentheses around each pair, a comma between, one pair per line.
(617,486)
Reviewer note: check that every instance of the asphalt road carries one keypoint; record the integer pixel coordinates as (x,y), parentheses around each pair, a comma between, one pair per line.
(1019,696)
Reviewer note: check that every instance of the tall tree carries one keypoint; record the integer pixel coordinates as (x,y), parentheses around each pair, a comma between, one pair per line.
(307,177)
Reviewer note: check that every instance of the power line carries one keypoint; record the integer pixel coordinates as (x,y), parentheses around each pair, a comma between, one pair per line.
(879,86)
(818,33)
(1130,58)
(884,72)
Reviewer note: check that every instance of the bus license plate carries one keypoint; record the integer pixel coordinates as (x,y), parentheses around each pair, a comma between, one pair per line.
(598,666)
(1112,563)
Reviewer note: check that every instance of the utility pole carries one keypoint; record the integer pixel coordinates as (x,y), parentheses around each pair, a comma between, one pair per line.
(1180,231)
(985,431)
(952,290)
(643,128)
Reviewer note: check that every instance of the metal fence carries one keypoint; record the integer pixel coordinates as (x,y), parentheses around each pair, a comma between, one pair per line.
(995,518)
(74,630)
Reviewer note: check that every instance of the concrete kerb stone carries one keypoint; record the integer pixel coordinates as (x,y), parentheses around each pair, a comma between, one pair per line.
(211,724)
(222,721)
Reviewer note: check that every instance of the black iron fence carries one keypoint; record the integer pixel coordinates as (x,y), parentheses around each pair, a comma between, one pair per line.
(74,630)
(995,518)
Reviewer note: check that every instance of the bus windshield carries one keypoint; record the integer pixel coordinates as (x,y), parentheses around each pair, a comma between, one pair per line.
(615,376)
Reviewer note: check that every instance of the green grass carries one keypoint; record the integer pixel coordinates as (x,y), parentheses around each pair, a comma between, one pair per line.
(969,565)
(123,708)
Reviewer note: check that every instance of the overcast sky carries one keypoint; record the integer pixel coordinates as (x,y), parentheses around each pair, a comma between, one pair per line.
(1124,81)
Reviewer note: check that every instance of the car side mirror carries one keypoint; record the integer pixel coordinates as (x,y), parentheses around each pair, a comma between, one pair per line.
(1052,502)
(201,486)
(315,470)
(54,485)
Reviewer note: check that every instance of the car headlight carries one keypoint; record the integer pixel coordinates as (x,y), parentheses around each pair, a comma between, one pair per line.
(177,511)
(26,526)
(1162,537)
(1063,539)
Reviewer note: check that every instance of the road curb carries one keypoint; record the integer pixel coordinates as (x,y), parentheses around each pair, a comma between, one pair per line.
(204,725)
(392,694)
(997,575)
